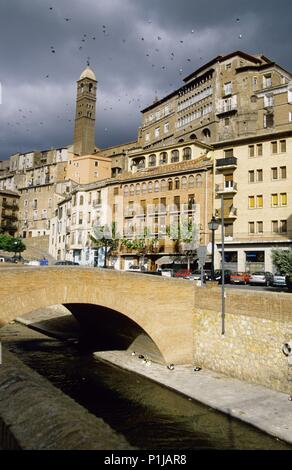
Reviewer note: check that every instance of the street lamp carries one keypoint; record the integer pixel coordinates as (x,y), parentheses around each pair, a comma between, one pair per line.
(213,225)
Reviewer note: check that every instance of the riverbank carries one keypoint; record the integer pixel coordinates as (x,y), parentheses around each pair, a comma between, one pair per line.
(268,410)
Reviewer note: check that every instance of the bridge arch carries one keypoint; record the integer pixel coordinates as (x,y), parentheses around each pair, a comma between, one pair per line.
(161,307)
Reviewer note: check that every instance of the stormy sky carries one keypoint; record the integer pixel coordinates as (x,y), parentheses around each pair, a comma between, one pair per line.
(138,49)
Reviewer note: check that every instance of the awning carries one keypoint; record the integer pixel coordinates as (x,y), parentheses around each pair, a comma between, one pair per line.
(164,260)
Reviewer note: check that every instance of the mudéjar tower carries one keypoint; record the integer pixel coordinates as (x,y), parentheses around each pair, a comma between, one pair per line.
(84,133)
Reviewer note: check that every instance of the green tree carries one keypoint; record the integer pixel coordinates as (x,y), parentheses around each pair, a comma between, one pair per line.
(105,237)
(186,236)
(11,244)
(282,259)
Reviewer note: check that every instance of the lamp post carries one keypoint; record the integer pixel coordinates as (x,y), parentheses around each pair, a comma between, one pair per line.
(107,235)
(213,225)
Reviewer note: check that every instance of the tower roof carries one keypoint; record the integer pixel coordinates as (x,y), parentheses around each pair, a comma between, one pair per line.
(88,73)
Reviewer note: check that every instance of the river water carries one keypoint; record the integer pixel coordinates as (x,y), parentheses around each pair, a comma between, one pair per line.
(149,415)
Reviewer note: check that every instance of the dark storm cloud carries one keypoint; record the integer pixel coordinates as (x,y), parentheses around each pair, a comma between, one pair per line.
(138,49)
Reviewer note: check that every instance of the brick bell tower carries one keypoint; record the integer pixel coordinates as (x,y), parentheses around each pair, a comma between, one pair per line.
(84,133)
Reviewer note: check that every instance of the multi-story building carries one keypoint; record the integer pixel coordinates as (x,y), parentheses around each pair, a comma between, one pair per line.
(76,216)
(9,206)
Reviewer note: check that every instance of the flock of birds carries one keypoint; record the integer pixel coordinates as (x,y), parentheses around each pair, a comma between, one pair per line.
(156,55)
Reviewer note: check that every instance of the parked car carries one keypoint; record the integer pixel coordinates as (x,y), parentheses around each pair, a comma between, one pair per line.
(261,277)
(218,276)
(239,278)
(279,280)
(134,267)
(184,273)
(66,263)
(167,272)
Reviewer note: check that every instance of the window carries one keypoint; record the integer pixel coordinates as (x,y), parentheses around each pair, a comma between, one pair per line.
(132,190)
(254,82)
(174,156)
(81,200)
(250,227)
(260,227)
(156,186)
(80,218)
(228,66)
(290,116)
(283,172)
(282,146)
(163,185)
(268,100)
(44,213)
(166,128)
(147,137)
(163,158)
(259,150)
(251,176)
(184,182)
(283,199)
(169,185)
(116,191)
(137,188)
(152,160)
(198,181)
(275,200)
(283,226)
(274,147)
(251,150)
(35,204)
(176,202)
(157,132)
(251,202)
(126,191)
(274,173)
(260,201)
(150,187)
(228,153)
(191,182)
(274,226)
(176,183)
(226,121)
(228,88)
(89,217)
(95,163)
(259,176)
(144,188)
(187,153)
(267,80)
(268,120)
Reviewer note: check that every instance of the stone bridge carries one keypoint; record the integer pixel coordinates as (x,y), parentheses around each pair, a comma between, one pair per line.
(183,320)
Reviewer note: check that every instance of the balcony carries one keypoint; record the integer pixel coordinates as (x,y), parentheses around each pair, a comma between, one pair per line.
(226,163)
(229,213)
(230,188)
(10,205)
(96,204)
(129,212)
(11,217)
(226,109)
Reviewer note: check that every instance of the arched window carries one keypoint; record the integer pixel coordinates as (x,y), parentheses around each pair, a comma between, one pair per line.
(138,188)
(156,186)
(81,200)
(150,187)
(206,134)
(163,185)
(193,137)
(152,159)
(176,183)
(163,158)
(169,184)
(144,188)
(132,190)
(174,156)
(181,141)
(126,191)
(191,181)
(187,153)
(198,181)
(184,182)
(90,87)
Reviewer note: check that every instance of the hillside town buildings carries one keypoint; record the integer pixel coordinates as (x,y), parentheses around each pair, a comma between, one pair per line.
(223,139)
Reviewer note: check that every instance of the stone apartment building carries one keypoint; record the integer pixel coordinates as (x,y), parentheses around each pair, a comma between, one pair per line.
(9,207)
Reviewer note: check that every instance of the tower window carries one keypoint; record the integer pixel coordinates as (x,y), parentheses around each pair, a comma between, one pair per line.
(90,87)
